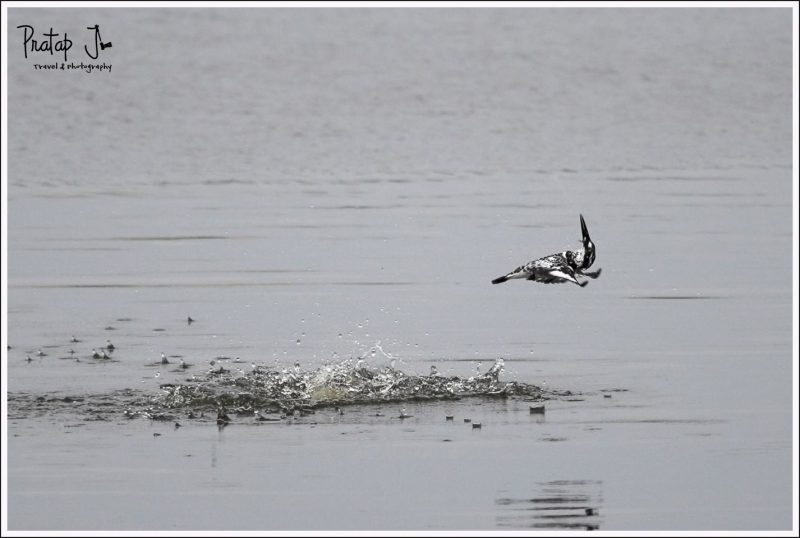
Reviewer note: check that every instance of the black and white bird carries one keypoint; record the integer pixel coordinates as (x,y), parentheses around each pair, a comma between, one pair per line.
(561,267)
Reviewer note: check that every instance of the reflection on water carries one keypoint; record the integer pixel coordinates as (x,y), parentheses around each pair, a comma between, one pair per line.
(558,504)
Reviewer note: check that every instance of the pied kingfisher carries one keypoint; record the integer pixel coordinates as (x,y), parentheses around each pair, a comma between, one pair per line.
(561,267)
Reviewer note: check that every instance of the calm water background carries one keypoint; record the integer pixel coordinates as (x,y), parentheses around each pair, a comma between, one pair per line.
(289,176)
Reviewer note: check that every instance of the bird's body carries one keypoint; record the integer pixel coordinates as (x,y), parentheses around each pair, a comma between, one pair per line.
(559,267)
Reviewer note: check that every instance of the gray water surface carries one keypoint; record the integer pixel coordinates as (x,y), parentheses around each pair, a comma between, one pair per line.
(306,184)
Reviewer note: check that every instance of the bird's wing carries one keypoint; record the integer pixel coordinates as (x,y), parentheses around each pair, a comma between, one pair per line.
(564,274)
(547,272)
(548,262)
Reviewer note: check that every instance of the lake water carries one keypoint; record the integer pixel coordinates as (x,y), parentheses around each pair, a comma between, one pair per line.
(307,184)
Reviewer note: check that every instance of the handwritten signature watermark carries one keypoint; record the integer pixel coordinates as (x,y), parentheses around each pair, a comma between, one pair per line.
(51,42)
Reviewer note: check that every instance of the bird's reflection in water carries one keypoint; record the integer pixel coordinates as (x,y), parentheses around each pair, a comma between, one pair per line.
(560,504)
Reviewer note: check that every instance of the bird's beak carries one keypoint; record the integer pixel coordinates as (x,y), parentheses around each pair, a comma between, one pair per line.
(584,230)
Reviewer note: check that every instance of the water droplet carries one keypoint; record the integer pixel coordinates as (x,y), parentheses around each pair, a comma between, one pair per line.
(298,342)
(372,352)
(303,320)
(340,335)
(158,374)
(360,326)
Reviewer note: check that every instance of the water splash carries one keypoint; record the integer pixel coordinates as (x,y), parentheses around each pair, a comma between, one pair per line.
(288,390)
(349,382)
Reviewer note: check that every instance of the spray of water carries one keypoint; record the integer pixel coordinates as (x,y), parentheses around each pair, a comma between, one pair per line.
(348,382)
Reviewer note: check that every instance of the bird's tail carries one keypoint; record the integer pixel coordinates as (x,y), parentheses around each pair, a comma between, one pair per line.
(500,279)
